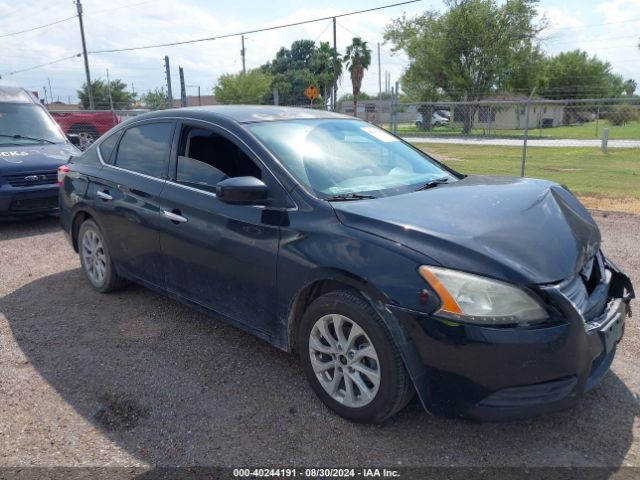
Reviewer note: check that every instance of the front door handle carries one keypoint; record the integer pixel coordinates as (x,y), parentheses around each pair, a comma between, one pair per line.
(174,217)
(104,195)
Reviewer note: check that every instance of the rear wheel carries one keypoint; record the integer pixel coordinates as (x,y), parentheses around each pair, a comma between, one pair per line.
(350,359)
(86,135)
(96,260)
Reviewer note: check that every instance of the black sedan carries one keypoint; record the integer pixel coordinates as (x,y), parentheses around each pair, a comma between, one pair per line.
(386,271)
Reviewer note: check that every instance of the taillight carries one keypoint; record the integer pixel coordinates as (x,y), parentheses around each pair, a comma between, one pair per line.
(62,172)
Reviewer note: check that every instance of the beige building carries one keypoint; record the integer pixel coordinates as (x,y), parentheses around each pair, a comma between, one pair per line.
(509,112)
(195,100)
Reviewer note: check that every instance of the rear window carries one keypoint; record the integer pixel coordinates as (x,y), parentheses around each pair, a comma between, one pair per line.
(145,148)
(107,146)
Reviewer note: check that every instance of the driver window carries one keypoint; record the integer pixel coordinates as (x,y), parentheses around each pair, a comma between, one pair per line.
(206,158)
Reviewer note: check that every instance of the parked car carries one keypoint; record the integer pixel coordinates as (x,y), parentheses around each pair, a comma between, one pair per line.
(87,126)
(438,119)
(385,270)
(32,147)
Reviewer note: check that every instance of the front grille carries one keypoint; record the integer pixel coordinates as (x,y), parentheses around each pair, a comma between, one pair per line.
(30,179)
(588,291)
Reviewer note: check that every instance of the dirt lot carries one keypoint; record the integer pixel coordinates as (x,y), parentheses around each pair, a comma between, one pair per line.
(135,379)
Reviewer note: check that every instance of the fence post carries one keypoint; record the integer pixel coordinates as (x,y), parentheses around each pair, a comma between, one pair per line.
(392,115)
(597,120)
(526,132)
(605,141)
(395,111)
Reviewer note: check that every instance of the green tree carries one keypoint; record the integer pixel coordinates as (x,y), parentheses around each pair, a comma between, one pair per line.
(467,51)
(357,59)
(302,65)
(575,75)
(630,86)
(322,69)
(155,99)
(122,99)
(253,87)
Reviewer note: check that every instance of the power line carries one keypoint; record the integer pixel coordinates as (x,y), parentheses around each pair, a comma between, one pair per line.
(37,28)
(41,65)
(184,42)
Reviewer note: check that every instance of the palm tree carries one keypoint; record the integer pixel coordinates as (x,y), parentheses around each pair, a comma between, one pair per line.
(630,87)
(357,59)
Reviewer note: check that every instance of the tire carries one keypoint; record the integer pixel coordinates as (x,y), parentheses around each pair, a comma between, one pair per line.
(86,134)
(370,349)
(96,260)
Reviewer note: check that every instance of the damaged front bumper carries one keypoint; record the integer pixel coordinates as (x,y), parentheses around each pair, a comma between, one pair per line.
(503,373)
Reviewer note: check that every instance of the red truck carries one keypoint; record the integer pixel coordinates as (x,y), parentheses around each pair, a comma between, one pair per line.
(88,126)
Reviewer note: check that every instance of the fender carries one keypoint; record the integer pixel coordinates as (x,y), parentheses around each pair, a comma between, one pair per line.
(381,303)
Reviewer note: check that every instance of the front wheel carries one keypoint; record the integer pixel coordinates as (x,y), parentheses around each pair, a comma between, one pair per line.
(350,359)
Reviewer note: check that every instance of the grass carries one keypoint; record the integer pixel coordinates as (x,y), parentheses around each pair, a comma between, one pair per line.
(607,181)
(585,131)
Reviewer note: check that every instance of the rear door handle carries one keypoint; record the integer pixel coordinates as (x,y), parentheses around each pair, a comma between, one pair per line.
(174,217)
(104,194)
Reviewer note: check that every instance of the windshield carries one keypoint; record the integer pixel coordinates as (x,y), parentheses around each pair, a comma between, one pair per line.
(26,123)
(342,157)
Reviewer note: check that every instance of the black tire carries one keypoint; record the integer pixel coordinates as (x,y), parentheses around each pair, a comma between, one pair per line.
(110,281)
(395,389)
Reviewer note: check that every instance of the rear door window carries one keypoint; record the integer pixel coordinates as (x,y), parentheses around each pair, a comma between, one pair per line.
(145,149)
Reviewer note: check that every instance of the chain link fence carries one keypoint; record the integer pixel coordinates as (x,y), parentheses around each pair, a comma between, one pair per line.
(585,121)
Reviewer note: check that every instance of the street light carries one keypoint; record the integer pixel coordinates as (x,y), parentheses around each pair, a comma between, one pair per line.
(198,87)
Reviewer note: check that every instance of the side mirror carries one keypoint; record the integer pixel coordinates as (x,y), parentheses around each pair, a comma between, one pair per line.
(74,139)
(242,191)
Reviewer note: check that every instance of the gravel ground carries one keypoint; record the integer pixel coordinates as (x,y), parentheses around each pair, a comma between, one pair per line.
(134,379)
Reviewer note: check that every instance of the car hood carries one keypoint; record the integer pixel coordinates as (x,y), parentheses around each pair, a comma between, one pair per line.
(516,229)
(27,158)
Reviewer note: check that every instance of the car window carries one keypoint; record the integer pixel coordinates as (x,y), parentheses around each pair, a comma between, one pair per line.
(145,148)
(27,124)
(335,157)
(107,146)
(206,158)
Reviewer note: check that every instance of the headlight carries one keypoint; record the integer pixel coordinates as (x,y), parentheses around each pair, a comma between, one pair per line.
(471,298)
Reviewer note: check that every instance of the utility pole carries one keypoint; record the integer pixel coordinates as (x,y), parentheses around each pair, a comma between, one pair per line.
(51,90)
(379,75)
(335,67)
(167,71)
(183,89)
(113,115)
(242,52)
(86,59)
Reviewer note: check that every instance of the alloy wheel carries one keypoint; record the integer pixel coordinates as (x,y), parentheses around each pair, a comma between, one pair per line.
(344,360)
(93,254)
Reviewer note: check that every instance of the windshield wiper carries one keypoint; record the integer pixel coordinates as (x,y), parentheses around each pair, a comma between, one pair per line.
(35,139)
(433,183)
(348,196)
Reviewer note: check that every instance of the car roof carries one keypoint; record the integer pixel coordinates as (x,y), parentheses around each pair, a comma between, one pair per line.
(245,113)
(16,95)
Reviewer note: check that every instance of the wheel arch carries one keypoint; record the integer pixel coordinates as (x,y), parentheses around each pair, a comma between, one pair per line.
(83,127)
(332,280)
(324,281)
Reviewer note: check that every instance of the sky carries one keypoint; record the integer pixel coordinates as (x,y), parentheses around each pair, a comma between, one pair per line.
(609,29)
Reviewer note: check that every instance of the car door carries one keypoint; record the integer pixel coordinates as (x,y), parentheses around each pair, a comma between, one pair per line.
(126,198)
(220,256)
